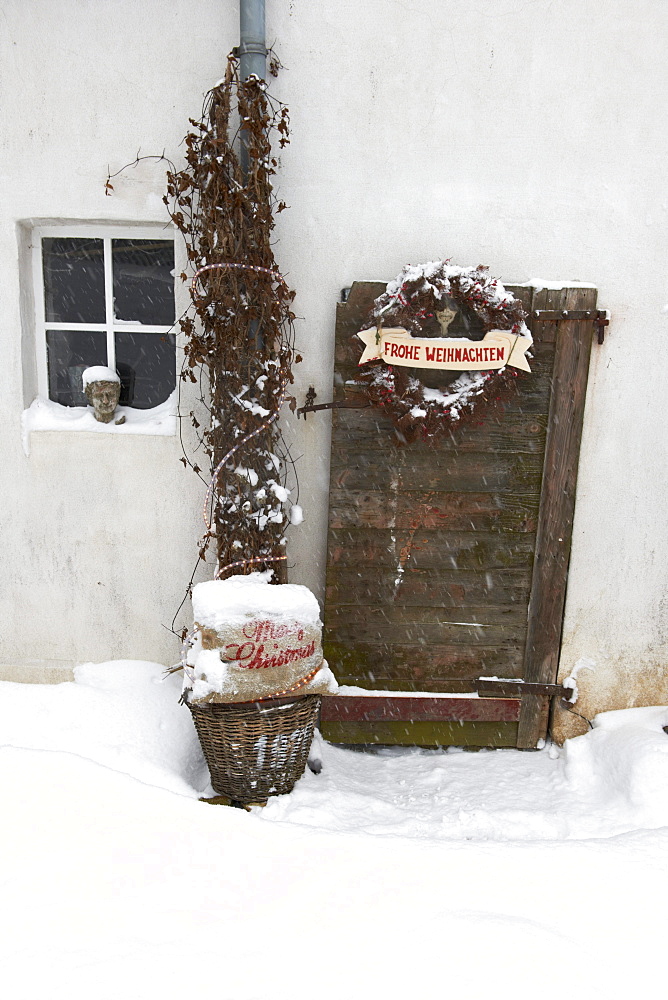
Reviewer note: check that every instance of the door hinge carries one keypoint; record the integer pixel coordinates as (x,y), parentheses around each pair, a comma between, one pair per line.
(599,317)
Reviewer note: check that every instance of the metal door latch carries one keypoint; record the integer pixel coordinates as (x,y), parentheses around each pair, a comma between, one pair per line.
(509,688)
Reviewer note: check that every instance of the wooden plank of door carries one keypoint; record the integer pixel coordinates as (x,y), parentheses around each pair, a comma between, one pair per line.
(418,708)
(555,519)
(422,734)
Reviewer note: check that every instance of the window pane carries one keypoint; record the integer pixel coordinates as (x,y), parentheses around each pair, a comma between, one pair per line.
(68,353)
(73,280)
(143,281)
(146,363)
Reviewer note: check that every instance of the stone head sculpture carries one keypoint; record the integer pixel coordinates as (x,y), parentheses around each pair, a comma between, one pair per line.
(103,388)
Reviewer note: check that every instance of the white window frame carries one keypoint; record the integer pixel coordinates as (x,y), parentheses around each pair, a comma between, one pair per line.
(106,233)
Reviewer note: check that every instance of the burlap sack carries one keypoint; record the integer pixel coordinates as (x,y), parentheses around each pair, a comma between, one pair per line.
(256,641)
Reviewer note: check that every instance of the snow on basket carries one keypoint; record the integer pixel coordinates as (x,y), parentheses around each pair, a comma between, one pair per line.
(255,640)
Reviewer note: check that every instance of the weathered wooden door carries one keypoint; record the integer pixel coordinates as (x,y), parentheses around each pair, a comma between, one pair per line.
(449,560)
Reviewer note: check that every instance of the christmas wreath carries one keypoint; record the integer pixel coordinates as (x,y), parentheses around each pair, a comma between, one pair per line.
(439,300)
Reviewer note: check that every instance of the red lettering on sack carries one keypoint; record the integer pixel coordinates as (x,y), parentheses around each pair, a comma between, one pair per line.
(251,656)
(239,652)
(262,631)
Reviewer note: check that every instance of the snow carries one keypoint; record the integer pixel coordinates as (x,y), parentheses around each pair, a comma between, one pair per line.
(123,715)
(296,515)
(571,682)
(612,781)
(219,603)
(280,492)
(248,474)
(353,690)
(393,874)
(468,384)
(252,407)
(45,415)
(99,373)
(542,283)
(209,675)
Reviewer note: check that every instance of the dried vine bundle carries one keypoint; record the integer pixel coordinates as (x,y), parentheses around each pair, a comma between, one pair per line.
(239,334)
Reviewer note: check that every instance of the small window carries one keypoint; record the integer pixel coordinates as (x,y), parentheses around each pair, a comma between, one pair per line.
(105,298)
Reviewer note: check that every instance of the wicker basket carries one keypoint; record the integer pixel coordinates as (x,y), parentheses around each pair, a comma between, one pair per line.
(258,748)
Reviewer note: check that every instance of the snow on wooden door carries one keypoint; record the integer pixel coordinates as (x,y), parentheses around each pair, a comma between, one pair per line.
(448,560)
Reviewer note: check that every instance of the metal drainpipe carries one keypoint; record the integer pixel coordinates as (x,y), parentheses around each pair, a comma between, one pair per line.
(252,52)
(252,48)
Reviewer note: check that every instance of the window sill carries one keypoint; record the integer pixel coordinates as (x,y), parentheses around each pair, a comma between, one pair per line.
(45,415)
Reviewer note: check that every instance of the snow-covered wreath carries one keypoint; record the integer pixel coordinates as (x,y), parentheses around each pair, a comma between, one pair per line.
(439,300)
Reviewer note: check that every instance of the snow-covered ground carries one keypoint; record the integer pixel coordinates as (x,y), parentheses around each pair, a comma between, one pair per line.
(393,875)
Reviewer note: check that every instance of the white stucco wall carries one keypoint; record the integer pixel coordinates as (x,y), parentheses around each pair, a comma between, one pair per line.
(524,136)
(99,530)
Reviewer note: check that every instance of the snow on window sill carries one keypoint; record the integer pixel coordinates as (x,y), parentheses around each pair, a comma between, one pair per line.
(45,415)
